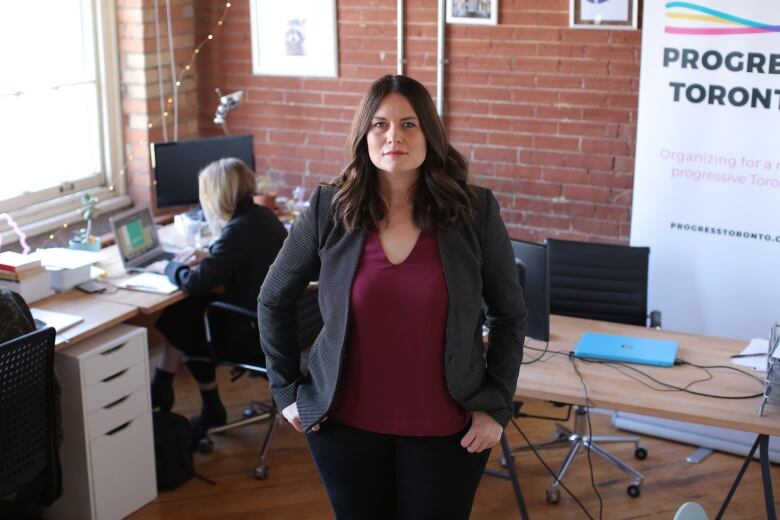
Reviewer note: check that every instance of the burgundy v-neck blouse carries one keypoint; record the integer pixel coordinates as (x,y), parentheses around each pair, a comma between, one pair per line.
(392,378)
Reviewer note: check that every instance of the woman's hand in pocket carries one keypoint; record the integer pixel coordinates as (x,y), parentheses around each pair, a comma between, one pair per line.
(291,414)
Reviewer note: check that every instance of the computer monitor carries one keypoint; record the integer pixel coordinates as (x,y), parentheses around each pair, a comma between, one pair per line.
(533,269)
(177,164)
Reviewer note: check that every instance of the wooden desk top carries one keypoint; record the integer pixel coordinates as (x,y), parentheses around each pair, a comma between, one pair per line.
(146,302)
(556,380)
(98,315)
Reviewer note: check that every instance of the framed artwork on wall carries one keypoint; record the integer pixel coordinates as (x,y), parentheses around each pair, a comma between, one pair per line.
(294,38)
(603,14)
(478,12)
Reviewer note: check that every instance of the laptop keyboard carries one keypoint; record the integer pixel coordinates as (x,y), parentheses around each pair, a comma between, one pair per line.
(162,256)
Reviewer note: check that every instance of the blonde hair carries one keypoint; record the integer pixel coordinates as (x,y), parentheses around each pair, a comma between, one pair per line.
(222,185)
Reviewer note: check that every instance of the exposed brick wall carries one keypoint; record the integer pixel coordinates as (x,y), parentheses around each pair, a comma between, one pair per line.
(138,58)
(546,114)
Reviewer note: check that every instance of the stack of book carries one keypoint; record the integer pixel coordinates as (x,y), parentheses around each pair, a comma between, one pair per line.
(25,275)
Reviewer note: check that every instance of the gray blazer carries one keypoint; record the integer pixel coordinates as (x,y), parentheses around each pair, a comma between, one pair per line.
(478,266)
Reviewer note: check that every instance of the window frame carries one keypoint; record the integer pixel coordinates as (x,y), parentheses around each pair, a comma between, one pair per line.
(50,208)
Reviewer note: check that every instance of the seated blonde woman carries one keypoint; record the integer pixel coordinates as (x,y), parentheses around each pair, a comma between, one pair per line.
(247,240)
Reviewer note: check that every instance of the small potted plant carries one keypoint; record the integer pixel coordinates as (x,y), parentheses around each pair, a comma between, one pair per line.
(83,239)
(265,191)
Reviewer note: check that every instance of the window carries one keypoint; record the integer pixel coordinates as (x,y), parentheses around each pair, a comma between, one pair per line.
(59,104)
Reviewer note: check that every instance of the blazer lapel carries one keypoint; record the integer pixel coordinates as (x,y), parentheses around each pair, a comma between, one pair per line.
(448,238)
(349,250)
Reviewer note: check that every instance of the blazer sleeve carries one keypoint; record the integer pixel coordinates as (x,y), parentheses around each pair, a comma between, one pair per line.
(225,256)
(296,265)
(505,311)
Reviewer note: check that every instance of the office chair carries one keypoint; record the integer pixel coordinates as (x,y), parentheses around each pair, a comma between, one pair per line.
(30,475)
(598,282)
(602,282)
(221,320)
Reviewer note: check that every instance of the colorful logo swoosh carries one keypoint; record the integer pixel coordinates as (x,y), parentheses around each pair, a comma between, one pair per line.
(728,24)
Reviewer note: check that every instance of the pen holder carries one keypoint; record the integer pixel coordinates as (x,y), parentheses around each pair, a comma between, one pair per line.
(772,378)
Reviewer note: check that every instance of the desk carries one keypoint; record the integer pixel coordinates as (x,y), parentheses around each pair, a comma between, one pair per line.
(556,380)
(107,454)
(608,388)
(145,302)
(98,315)
(108,451)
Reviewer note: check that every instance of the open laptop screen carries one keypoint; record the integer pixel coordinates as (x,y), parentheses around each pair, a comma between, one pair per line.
(135,234)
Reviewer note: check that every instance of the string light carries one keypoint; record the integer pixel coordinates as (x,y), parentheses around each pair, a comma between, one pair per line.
(16,229)
(187,69)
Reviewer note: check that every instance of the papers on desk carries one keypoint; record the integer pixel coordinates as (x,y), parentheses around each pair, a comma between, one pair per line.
(59,320)
(149,282)
(757,346)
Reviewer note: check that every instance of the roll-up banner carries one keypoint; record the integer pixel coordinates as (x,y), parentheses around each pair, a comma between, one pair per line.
(707,173)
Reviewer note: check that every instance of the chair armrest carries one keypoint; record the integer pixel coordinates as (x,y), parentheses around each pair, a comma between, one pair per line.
(241,311)
(249,313)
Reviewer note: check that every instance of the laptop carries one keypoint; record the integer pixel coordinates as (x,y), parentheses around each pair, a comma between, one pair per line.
(137,240)
(626,349)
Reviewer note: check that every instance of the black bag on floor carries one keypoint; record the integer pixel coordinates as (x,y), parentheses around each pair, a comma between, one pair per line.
(172,449)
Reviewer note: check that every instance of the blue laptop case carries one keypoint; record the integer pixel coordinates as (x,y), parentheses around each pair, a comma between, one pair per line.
(626,349)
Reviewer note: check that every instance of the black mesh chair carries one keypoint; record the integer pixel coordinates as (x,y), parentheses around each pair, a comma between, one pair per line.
(599,282)
(228,324)
(30,475)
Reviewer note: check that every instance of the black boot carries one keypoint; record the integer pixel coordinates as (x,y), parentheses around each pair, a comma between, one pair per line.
(212,414)
(162,390)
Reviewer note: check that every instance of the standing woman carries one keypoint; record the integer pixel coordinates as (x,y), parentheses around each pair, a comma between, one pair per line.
(402,402)
(247,239)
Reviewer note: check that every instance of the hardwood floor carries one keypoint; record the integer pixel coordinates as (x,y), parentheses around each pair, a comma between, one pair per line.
(293,490)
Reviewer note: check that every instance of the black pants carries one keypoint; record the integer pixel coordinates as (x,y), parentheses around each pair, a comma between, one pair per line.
(378,476)
(182,325)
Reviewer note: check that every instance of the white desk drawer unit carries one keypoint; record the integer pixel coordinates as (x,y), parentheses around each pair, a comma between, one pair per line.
(108,447)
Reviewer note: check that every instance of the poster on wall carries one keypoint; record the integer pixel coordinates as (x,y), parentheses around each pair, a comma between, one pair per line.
(603,14)
(707,173)
(294,38)
(479,12)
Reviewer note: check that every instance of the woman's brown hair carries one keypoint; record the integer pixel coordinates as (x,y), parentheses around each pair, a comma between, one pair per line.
(442,195)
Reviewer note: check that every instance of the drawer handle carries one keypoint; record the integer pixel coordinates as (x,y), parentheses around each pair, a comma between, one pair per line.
(119,428)
(110,351)
(118,401)
(118,374)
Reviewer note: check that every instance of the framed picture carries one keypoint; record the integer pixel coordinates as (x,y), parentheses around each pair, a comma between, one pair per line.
(603,14)
(294,38)
(479,12)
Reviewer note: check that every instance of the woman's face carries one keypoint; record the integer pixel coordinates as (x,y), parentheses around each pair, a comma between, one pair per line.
(396,143)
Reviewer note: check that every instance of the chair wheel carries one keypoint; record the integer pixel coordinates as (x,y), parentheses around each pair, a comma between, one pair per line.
(249,412)
(553,496)
(634,490)
(205,445)
(261,472)
(640,452)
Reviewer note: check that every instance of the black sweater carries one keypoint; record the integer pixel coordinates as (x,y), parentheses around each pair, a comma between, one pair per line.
(239,259)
